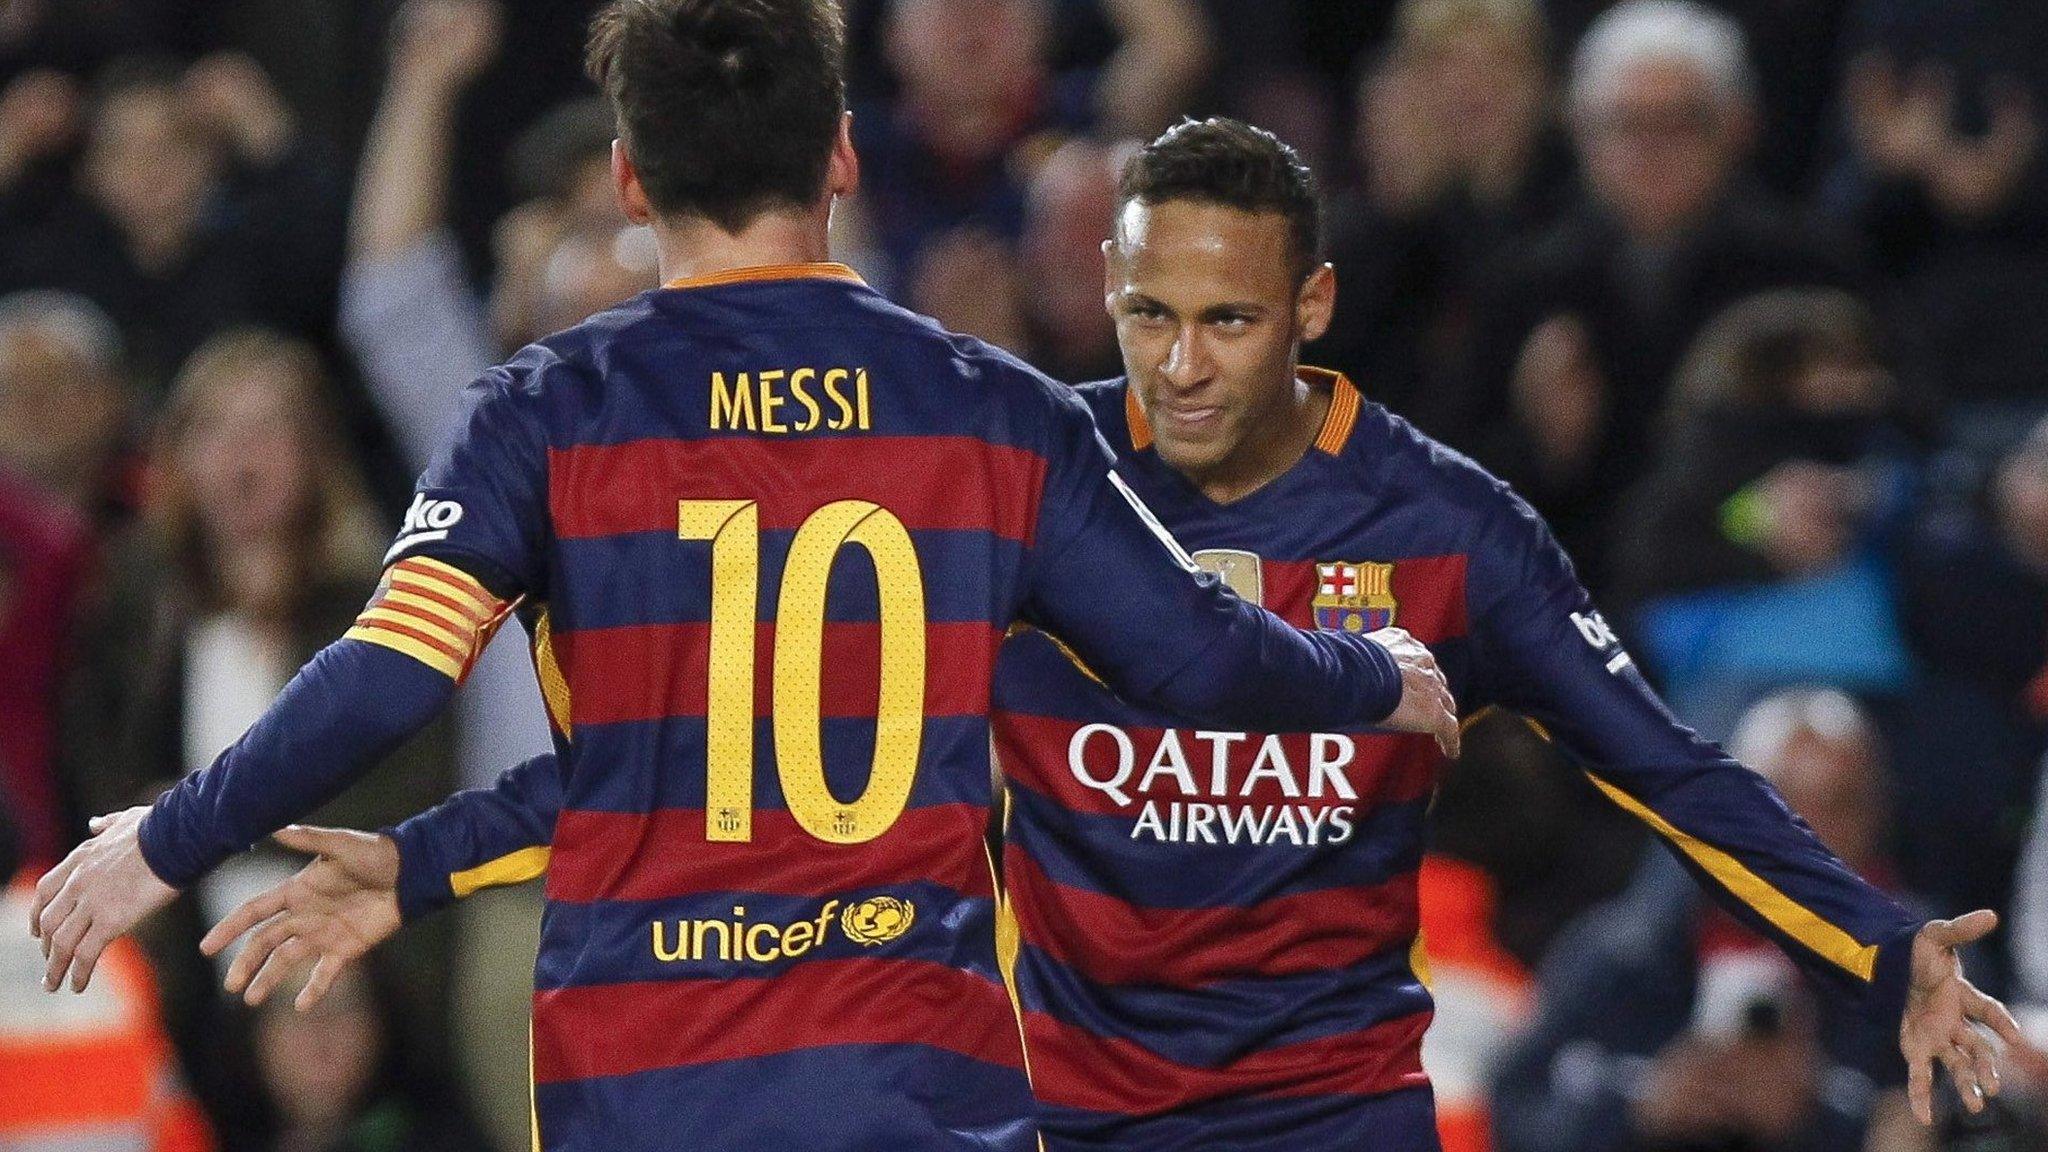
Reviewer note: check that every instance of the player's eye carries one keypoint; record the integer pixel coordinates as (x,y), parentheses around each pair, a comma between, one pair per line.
(1232,323)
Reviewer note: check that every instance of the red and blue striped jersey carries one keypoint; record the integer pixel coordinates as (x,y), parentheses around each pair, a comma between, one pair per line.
(1213,925)
(767,530)
(1216,928)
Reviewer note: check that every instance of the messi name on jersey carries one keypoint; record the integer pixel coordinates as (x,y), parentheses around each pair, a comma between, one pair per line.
(1354,597)
(785,400)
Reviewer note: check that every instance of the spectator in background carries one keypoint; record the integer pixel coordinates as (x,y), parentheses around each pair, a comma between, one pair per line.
(1946,177)
(977,108)
(1749,555)
(1662,1023)
(65,409)
(1575,339)
(1068,209)
(45,554)
(196,205)
(63,416)
(565,251)
(338,1081)
(1460,159)
(1974,581)
(256,542)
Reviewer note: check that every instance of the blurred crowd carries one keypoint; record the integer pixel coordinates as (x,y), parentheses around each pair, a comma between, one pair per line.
(1749,299)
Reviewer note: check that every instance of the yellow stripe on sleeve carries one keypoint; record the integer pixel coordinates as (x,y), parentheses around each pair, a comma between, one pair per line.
(1787,915)
(460,640)
(419,650)
(432,612)
(511,868)
(458,622)
(449,574)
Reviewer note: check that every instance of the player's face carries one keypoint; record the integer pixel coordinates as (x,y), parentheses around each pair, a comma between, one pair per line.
(1210,318)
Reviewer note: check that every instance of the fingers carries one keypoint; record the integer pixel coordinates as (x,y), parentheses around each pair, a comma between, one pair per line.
(276,970)
(250,959)
(1962,930)
(1920,1089)
(1982,1056)
(46,891)
(249,914)
(63,944)
(325,970)
(314,840)
(1963,1074)
(1988,1011)
(90,949)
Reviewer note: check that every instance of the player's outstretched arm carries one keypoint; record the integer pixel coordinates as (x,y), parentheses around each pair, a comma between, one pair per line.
(1542,649)
(361,887)
(1107,579)
(349,707)
(473,543)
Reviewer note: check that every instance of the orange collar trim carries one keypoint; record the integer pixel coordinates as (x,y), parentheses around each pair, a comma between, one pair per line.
(817,271)
(1343,414)
(1337,423)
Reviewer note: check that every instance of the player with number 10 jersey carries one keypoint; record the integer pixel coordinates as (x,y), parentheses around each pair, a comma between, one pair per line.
(766,530)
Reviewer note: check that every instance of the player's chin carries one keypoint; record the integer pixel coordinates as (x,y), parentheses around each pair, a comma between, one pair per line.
(1197,451)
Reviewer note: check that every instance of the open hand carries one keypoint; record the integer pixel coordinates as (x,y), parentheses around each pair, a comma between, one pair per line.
(333,911)
(1943,1014)
(98,894)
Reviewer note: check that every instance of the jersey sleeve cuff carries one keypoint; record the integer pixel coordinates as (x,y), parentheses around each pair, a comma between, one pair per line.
(1892,977)
(423,885)
(158,855)
(1383,693)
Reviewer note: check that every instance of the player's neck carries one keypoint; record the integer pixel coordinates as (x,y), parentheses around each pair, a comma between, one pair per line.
(694,248)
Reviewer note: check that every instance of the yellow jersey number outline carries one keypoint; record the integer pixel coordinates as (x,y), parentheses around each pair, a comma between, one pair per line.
(734,529)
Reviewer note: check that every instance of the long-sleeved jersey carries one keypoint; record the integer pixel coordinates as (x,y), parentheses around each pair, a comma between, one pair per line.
(1214,928)
(766,530)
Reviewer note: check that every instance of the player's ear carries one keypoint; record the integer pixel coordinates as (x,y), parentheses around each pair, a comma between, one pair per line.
(626,184)
(842,172)
(1315,302)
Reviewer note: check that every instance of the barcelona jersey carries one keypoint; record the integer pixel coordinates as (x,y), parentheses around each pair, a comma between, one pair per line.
(1216,930)
(1213,928)
(766,531)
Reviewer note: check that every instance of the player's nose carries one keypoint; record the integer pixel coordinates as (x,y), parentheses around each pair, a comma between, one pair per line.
(1187,362)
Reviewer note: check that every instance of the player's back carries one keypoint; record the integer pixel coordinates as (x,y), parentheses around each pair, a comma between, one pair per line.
(788,522)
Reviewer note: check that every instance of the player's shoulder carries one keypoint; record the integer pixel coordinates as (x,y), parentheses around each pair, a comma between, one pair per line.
(1025,396)
(1419,467)
(1106,400)
(1452,491)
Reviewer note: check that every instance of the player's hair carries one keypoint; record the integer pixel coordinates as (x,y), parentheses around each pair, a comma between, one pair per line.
(1229,162)
(729,108)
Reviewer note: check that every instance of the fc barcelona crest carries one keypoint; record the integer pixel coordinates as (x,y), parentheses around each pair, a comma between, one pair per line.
(1354,597)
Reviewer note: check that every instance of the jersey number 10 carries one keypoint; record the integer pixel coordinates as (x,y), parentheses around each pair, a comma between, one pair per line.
(797,706)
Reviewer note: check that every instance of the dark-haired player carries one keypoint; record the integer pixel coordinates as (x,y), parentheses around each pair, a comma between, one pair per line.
(766,529)
(1217,925)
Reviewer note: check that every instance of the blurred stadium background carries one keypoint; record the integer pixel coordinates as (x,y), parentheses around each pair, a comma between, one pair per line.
(1751,300)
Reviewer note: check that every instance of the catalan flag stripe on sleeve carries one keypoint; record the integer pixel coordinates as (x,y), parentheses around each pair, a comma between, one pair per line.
(433,612)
